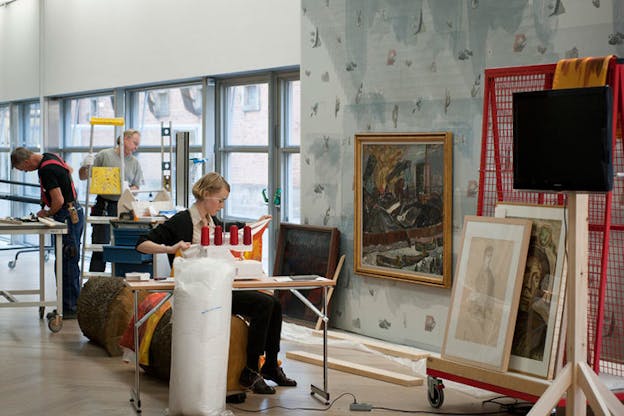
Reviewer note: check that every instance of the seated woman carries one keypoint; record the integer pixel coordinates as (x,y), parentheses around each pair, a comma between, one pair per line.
(263,311)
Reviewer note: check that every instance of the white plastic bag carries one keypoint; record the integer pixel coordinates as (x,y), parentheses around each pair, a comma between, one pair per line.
(200,336)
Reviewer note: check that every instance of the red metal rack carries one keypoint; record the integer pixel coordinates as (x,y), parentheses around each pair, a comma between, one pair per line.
(606,225)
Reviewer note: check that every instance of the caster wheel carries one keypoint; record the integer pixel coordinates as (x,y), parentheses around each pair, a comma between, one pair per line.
(55,324)
(435,392)
(51,315)
(41,312)
(11,264)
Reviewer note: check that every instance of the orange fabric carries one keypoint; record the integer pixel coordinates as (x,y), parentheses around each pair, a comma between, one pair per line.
(256,251)
(584,72)
(581,72)
(146,331)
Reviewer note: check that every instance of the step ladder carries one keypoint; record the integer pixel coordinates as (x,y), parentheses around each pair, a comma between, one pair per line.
(87,246)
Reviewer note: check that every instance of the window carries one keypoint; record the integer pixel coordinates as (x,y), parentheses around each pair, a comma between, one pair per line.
(245,152)
(180,105)
(30,123)
(251,98)
(5,162)
(151,109)
(78,113)
(261,163)
(5,127)
(291,160)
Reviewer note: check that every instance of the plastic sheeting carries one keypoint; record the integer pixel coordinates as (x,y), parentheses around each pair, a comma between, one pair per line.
(305,336)
(200,337)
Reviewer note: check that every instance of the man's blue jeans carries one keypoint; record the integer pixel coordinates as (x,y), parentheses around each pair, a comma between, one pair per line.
(71,257)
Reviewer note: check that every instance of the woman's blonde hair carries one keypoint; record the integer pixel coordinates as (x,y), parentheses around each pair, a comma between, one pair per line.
(210,184)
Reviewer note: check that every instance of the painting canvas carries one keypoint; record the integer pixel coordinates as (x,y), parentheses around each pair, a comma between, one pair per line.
(403,203)
(304,250)
(486,291)
(538,324)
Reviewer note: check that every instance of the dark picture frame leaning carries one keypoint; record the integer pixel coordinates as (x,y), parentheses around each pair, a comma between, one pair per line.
(305,250)
(403,206)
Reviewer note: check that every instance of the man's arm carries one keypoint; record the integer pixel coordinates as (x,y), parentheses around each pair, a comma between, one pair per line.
(83,172)
(88,161)
(56,203)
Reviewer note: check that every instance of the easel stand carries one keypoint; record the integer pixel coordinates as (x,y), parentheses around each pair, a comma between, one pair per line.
(577,378)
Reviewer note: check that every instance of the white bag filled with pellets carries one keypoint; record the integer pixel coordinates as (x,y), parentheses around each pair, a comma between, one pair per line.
(200,336)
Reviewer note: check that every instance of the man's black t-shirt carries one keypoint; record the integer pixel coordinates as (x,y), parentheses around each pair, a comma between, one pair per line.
(55,176)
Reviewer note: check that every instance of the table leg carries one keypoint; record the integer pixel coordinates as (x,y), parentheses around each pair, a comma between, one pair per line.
(136,393)
(315,390)
(41,272)
(58,253)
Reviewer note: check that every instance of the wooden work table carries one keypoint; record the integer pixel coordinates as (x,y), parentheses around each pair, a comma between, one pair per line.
(265,283)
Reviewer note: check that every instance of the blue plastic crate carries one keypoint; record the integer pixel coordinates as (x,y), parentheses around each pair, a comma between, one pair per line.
(122,268)
(128,236)
(125,254)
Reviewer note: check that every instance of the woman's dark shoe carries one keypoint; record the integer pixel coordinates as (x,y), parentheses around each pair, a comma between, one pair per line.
(236,398)
(250,379)
(277,375)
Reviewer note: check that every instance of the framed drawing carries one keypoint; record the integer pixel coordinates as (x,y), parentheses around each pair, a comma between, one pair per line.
(403,204)
(538,324)
(486,291)
(303,250)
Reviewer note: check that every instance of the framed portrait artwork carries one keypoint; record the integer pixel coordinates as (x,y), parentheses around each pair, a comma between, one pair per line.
(486,291)
(538,324)
(403,204)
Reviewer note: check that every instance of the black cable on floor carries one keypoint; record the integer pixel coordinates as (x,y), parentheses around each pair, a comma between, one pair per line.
(508,408)
(429,412)
(318,409)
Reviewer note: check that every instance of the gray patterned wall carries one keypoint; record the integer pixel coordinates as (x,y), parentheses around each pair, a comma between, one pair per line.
(417,66)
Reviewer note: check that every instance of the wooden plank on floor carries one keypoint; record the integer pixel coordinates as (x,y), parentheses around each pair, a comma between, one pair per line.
(358,369)
(385,347)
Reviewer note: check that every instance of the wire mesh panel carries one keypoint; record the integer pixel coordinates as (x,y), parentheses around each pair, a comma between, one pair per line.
(610,349)
(606,212)
(495,179)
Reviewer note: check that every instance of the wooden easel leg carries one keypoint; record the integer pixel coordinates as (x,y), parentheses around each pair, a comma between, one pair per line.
(577,377)
(606,399)
(589,386)
(551,396)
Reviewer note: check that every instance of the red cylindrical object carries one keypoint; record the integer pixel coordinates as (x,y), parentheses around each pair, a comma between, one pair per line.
(233,235)
(218,236)
(205,236)
(247,235)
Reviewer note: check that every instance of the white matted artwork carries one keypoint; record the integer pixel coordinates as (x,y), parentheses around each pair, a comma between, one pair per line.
(486,290)
(538,323)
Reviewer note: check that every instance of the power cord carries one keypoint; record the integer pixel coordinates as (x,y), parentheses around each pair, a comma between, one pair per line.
(512,408)
(429,412)
(319,409)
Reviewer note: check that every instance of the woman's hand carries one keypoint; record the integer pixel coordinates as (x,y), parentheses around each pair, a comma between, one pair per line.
(265,217)
(180,245)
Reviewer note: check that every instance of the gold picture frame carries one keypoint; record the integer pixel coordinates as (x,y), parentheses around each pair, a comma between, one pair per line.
(403,206)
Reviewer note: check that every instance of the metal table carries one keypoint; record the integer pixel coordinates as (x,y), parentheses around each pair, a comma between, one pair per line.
(267,283)
(55,320)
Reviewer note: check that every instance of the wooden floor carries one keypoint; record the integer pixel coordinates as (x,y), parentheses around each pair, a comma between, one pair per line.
(43,373)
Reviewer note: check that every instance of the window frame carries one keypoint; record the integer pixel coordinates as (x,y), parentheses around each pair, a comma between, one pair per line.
(277,149)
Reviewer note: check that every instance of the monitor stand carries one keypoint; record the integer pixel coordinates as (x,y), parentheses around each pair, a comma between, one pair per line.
(577,377)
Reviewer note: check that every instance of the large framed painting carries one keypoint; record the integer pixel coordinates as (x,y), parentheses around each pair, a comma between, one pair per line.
(486,291)
(538,325)
(403,206)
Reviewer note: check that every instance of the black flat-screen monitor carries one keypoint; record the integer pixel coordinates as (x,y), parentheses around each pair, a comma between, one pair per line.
(562,140)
